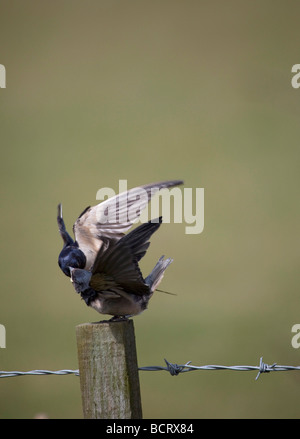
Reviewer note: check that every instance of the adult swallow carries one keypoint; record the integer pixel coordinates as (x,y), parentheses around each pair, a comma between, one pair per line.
(103,262)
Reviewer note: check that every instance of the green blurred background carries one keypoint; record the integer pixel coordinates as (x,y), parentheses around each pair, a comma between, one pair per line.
(104,90)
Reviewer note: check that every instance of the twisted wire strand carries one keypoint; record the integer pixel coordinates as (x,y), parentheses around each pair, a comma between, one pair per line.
(173,368)
(14,373)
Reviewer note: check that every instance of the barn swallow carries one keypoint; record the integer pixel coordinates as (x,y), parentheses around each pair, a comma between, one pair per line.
(102,261)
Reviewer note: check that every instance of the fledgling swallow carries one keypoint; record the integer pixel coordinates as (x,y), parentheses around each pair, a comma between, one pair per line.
(103,262)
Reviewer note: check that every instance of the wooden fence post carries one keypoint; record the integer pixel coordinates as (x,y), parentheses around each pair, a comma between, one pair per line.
(108,369)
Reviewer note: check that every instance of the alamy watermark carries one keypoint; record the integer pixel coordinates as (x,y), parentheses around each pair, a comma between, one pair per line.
(2,336)
(173,204)
(296,78)
(2,76)
(296,338)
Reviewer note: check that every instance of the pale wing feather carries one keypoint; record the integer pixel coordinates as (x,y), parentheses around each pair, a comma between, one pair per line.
(113,217)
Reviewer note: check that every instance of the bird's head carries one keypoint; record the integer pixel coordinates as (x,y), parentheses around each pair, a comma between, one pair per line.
(71,257)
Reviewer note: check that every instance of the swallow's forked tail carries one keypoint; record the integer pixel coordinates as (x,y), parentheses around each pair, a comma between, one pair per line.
(156,275)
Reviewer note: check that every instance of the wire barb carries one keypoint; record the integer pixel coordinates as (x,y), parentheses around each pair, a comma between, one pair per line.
(264,368)
(175,369)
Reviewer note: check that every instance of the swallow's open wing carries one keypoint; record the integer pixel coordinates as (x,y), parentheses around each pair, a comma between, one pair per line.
(117,268)
(113,217)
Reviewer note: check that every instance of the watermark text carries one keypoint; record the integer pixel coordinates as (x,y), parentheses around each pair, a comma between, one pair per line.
(296,337)
(2,336)
(2,76)
(173,204)
(296,78)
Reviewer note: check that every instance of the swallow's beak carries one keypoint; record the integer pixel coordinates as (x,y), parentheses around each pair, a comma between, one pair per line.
(71,271)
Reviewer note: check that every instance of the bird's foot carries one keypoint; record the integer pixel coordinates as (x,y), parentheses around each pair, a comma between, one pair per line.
(115,319)
(118,319)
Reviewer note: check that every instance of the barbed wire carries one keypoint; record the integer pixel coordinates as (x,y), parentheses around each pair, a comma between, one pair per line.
(173,368)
